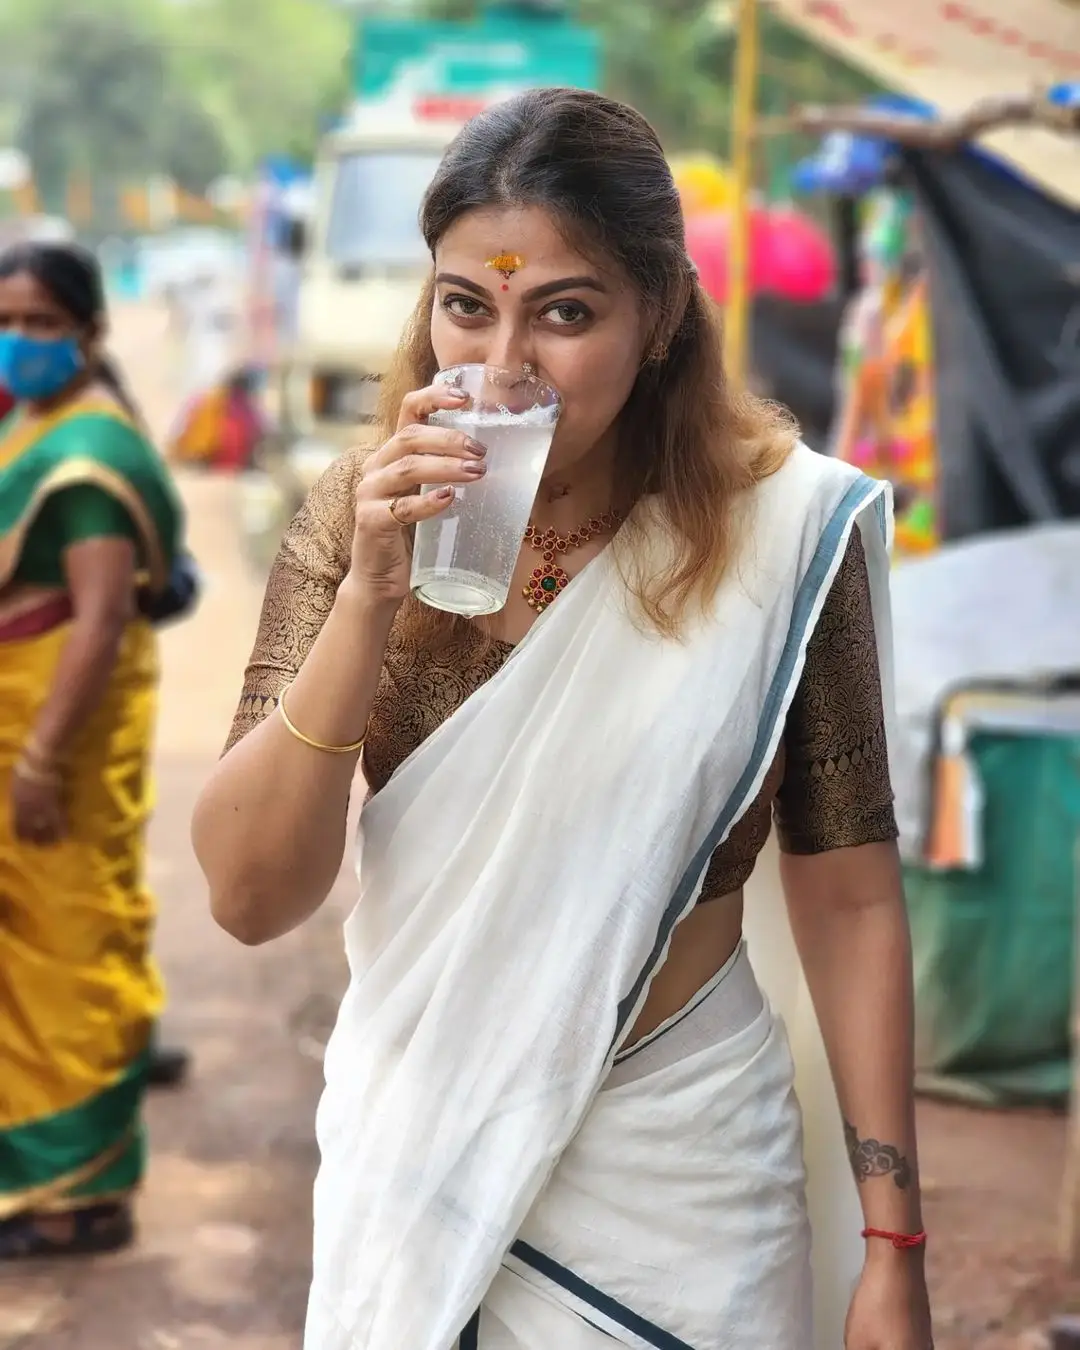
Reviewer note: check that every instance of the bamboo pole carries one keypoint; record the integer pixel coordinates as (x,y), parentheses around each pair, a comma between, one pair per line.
(938,133)
(744,107)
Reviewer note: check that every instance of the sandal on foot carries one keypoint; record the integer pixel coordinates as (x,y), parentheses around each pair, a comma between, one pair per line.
(168,1066)
(90,1232)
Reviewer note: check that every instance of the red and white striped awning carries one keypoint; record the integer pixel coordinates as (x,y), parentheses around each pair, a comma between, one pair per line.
(951,53)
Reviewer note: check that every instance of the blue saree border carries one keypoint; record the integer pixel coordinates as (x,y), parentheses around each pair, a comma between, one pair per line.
(647,1332)
(470,1337)
(832,536)
(580,1293)
(842,520)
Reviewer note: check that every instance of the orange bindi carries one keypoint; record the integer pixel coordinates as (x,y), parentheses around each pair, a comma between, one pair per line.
(506,264)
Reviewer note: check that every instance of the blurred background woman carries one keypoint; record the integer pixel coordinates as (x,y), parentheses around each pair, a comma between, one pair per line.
(90,530)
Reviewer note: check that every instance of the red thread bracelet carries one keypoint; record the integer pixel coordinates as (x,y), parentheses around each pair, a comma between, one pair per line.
(901,1241)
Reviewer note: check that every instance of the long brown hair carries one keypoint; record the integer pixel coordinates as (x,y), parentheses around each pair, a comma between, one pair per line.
(688,438)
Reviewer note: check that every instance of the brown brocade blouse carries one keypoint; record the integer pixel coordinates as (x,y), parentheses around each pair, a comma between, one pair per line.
(828,786)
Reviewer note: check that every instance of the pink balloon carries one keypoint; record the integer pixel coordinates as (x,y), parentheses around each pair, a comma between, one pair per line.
(789,255)
(802,262)
(708,243)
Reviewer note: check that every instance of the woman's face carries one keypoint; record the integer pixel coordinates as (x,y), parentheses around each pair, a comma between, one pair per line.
(27,307)
(579,325)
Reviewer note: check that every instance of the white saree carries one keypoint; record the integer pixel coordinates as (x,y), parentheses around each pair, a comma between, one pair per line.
(520,878)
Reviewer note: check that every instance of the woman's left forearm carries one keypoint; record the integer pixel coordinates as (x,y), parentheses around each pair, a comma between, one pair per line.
(857,960)
(80,680)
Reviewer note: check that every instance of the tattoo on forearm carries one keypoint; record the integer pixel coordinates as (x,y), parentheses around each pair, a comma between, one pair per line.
(870,1158)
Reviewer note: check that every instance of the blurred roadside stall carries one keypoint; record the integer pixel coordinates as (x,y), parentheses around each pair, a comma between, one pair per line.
(975,295)
(971,169)
(986,760)
(965,254)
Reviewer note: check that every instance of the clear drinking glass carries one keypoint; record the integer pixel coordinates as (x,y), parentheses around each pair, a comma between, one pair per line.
(463,560)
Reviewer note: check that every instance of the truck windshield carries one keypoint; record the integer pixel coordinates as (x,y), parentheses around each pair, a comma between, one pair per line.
(375,206)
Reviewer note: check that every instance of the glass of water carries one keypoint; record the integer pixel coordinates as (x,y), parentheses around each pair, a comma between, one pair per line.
(463,560)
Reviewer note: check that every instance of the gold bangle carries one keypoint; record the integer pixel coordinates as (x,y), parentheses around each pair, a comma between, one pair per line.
(32,750)
(43,777)
(293,730)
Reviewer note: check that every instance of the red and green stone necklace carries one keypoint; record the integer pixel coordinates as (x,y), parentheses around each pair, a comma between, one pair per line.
(547,580)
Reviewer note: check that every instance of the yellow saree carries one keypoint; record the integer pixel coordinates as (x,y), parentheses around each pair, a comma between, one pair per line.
(79,992)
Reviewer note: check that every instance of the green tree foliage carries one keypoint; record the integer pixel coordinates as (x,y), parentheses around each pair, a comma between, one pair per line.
(272,71)
(119,89)
(193,151)
(92,101)
(116,90)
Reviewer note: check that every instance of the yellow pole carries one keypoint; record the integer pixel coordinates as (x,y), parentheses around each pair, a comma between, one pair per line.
(744,107)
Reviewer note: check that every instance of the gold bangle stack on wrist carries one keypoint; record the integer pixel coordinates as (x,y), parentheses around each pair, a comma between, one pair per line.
(295,732)
(35,766)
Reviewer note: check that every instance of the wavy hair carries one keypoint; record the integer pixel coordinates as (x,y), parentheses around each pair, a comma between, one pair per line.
(687,438)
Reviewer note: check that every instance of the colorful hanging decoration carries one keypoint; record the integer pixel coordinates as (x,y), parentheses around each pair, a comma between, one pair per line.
(887,422)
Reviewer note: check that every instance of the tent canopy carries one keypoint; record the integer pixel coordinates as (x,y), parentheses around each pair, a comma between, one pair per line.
(952,53)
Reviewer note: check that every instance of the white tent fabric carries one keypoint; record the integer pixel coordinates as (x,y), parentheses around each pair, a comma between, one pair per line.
(951,53)
(997,607)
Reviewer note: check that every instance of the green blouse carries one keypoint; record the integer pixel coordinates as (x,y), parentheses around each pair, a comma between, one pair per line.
(85,472)
(71,516)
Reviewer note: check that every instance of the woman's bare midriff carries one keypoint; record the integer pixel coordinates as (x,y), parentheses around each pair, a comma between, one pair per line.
(700,946)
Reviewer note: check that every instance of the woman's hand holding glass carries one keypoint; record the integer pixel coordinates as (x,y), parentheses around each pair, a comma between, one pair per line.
(388,496)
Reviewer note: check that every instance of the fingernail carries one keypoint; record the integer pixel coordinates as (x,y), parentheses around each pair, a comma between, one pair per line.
(474,447)
(474,467)
(444,493)
(456,393)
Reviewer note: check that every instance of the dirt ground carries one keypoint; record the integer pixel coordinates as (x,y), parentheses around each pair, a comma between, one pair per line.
(223,1253)
(993,1185)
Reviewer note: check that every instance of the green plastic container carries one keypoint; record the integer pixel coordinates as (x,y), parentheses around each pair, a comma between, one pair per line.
(994,947)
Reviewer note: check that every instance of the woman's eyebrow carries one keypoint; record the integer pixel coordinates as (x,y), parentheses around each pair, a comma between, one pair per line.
(535,293)
(452,279)
(583,283)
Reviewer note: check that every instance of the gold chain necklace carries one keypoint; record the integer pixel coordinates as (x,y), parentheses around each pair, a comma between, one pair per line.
(547,580)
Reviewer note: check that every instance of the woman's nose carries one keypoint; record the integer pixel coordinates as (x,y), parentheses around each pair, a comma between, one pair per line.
(510,351)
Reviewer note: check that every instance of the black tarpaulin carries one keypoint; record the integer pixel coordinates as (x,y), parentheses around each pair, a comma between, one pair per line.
(794,359)
(1004,267)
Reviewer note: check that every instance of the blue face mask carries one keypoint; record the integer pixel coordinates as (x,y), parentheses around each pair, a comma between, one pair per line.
(35,368)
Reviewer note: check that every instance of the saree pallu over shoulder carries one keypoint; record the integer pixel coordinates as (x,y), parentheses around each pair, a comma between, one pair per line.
(520,879)
(87,443)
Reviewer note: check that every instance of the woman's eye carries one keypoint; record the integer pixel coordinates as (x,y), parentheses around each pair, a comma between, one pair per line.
(463,306)
(567,313)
